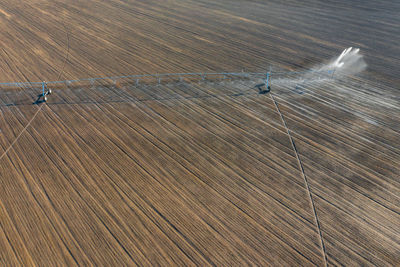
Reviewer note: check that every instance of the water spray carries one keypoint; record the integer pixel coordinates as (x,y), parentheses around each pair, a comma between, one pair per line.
(349,62)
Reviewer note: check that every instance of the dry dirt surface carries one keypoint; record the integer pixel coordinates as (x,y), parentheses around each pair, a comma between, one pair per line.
(198,172)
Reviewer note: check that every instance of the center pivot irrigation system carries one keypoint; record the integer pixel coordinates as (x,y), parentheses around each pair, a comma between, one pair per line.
(265,87)
(349,61)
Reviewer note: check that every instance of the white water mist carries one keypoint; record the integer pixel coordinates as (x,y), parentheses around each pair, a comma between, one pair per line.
(350,62)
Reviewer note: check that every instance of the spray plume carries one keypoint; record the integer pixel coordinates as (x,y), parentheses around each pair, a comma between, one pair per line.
(349,62)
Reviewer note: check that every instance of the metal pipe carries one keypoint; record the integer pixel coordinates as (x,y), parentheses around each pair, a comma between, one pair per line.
(203,76)
(43,88)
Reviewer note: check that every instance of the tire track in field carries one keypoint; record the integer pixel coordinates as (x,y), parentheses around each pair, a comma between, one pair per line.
(297,134)
(327,150)
(112,115)
(40,108)
(178,128)
(323,249)
(44,196)
(28,256)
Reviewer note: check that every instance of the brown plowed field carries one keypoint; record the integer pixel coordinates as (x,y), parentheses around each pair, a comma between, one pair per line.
(200,172)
